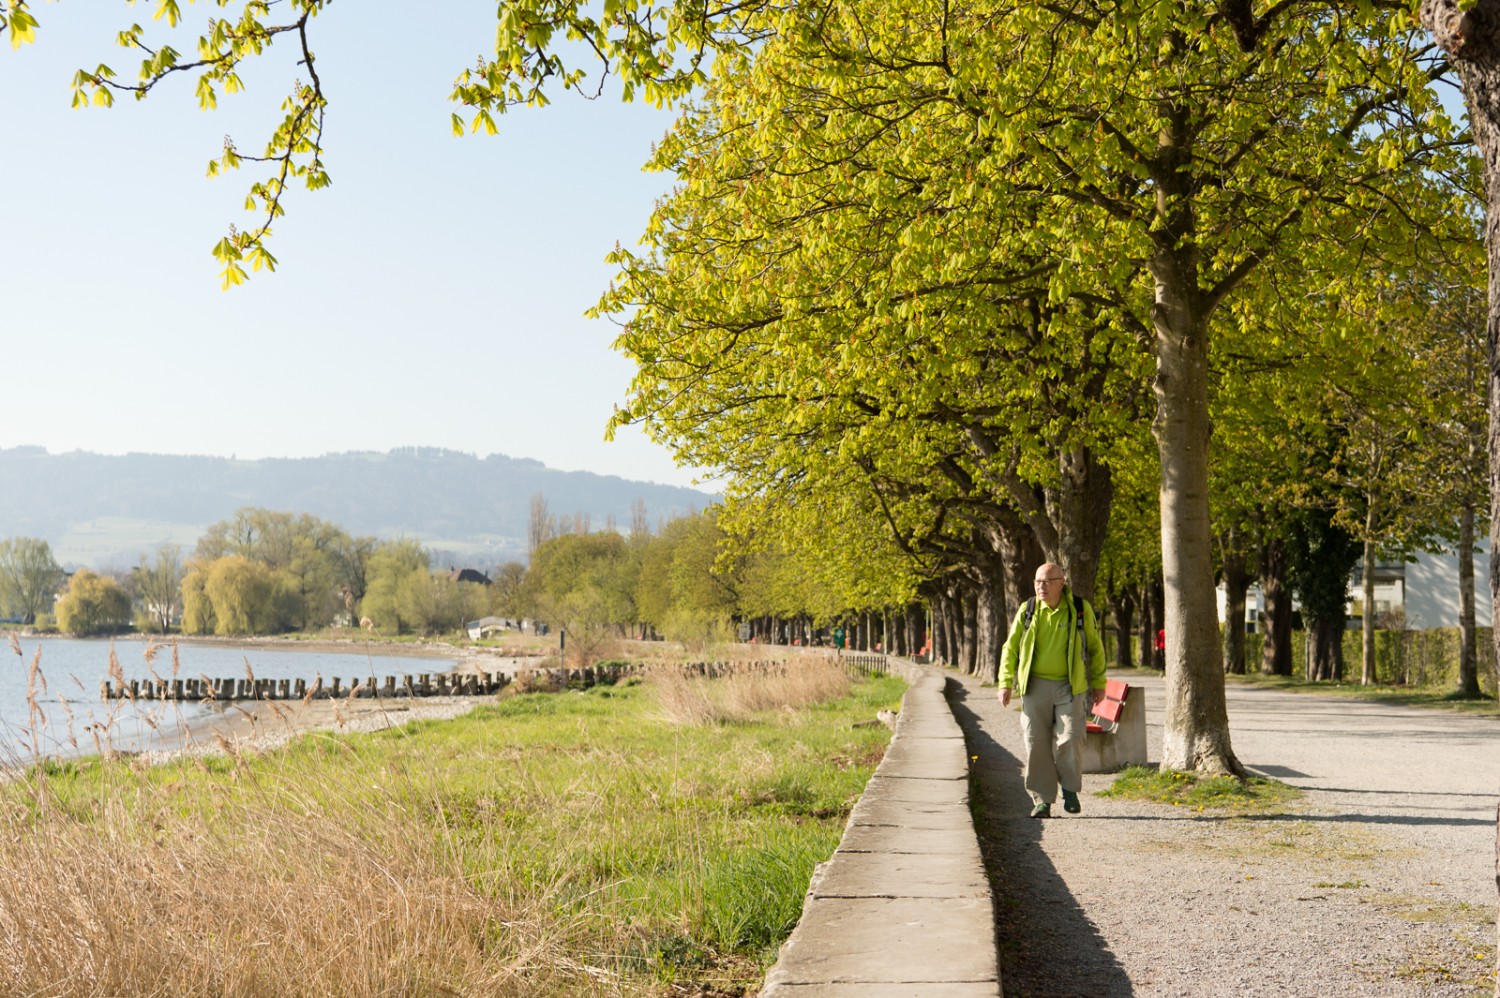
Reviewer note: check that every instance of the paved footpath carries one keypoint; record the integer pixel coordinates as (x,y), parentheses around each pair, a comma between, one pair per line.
(1380,882)
(902,908)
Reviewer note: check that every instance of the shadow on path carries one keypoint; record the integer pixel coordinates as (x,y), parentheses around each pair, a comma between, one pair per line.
(1048,948)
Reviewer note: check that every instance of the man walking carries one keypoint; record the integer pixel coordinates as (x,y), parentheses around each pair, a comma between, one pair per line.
(1055,660)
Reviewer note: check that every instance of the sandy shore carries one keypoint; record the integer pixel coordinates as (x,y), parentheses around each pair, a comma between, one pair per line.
(255,726)
(344,646)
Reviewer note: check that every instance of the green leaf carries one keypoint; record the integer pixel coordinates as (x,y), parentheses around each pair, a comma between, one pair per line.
(22,28)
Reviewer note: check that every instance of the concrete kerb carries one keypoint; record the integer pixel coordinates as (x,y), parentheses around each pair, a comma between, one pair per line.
(902,909)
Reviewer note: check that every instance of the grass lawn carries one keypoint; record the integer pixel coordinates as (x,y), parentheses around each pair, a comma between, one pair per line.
(1444,699)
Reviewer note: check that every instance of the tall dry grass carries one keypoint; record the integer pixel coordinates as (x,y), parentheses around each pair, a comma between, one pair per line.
(357,868)
(276,891)
(746,688)
(287,882)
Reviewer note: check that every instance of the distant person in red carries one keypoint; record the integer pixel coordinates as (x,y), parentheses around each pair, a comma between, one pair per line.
(1161,640)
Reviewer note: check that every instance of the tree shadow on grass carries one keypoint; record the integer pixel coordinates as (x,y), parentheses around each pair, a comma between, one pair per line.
(1048,947)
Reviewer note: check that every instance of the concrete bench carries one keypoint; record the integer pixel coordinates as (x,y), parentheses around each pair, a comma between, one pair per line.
(1116,735)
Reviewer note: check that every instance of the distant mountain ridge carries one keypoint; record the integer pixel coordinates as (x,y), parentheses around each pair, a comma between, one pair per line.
(103,510)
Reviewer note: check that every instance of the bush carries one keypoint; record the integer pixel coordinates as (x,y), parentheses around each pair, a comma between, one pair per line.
(1425,658)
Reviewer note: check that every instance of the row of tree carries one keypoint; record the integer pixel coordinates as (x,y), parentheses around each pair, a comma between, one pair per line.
(988,284)
(267,572)
(960,289)
(1000,294)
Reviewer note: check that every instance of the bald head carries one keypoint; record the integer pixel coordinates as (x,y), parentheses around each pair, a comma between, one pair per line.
(1049,584)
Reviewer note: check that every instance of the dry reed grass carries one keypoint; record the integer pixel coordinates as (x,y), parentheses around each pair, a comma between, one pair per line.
(279,875)
(745,688)
(252,884)
(276,891)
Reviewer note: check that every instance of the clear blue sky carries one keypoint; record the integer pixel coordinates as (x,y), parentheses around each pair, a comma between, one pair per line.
(432,296)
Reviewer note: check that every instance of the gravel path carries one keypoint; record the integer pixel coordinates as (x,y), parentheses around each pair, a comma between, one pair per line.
(1379,882)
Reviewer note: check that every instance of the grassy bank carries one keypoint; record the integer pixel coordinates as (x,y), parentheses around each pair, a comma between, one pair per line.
(1441,697)
(597,843)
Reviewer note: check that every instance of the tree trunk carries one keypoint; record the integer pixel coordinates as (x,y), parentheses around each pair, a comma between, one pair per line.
(1472,39)
(1079,508)
(1325,640)
(1158,615)
(989,635)
(1124,611)
(1236,585)
(1367,618)
(1150,622)
(1195,735)
(1020,556)
(1468,634)
(1276,618)
(952,622)
(941,650)
(969,609)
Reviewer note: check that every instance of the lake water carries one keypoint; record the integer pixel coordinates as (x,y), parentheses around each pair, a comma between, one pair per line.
(73,670)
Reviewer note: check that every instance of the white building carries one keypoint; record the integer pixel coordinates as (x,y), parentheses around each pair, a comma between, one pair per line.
(1425,589)
(1431,589)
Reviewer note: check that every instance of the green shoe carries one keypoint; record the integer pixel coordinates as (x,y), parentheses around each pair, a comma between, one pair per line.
(1070,802)
(1042,811)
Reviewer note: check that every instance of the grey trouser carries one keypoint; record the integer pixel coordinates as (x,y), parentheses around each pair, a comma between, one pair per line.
(1052,729)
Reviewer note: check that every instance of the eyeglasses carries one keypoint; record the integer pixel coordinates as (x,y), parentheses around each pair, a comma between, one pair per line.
(1047,582)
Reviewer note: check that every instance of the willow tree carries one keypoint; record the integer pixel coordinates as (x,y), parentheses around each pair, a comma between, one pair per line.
(29,577)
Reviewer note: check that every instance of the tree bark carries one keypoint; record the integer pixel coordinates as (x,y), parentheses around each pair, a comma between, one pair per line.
(968,607)
(1367,594)
(1079,508)
(1020,556)
(1158,658)
(1276,646)
(1325,640)
(938,638)
(1468,633)
(1472,39)
(1195,735)
(1150,622)
(1124,613)
(989,635)
(1236,584)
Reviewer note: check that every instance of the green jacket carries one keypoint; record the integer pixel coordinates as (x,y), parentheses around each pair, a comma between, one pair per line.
(1085,665)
